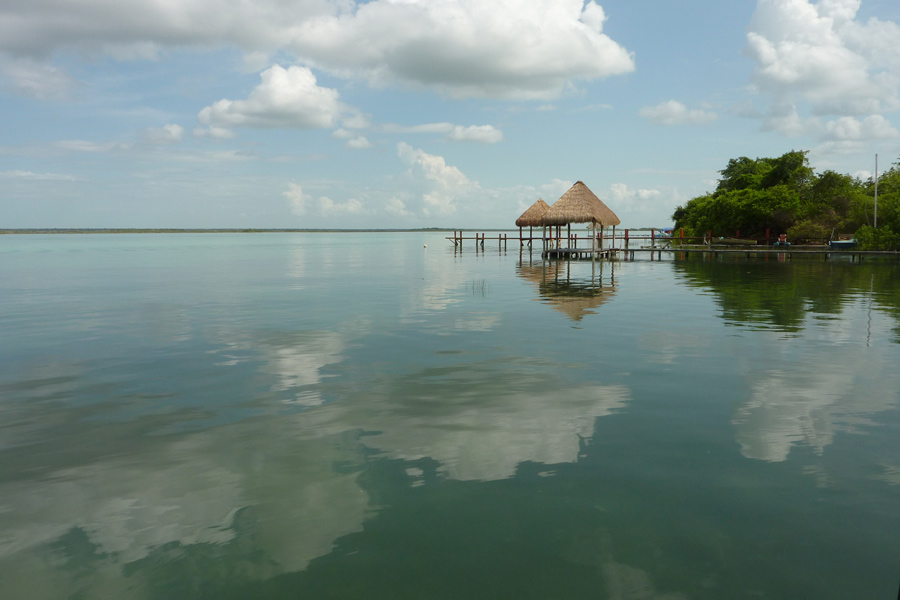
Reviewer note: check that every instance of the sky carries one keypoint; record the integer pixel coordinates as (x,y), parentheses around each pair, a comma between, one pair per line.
(423,113)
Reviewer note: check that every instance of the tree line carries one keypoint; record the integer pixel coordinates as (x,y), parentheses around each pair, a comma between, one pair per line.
(785,195)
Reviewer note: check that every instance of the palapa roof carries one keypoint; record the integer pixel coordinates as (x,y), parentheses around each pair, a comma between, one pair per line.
(532,216)
(579,205)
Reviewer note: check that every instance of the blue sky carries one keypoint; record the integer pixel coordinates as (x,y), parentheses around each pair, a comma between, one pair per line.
(423,113)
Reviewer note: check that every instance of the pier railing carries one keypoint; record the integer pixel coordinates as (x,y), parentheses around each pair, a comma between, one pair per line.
(607,241)
(579,246)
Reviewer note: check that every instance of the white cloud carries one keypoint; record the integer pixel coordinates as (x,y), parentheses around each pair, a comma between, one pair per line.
(31,176)
(464,48)
(676,113)
(254,62)
(423,128)
(137,28)
(634,200)
(745,109)
(330,208)
(89,146)
(844,134)
(29,77)
(484,134)
(285,98)
(396,206)
(852,129)
(216,133)
(167,134)
(296,198)
(301,203)
(355,120)
(849,135)
(441,184)
(784,118)
(822,55)
(467,48)
(359,143)
(587,108)
(553,190)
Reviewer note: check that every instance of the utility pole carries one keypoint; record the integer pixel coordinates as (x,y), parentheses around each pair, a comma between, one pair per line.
(876,192)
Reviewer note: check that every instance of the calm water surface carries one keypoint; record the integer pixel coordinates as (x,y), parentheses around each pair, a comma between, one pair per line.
(358,416)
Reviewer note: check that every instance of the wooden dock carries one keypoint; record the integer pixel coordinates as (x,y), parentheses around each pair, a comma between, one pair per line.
(551,247)
(783,253)
(567,248)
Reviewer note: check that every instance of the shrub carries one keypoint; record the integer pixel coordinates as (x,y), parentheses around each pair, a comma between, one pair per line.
(808,230)
(883,238)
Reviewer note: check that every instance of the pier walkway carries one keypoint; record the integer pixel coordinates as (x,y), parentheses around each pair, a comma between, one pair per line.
(630,248)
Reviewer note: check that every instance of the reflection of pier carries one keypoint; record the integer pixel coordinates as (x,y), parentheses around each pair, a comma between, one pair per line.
(575,297)
(576,253)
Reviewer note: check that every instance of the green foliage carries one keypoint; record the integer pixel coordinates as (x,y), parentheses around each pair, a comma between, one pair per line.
(862,212)
(808,230)
(883,238)
(785,195)
(889,199)
(741,174)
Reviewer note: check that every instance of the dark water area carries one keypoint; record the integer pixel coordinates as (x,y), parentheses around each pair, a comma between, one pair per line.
(361,416)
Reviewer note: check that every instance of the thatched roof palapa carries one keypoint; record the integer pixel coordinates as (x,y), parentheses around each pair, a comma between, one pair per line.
(532,216)
(579,205)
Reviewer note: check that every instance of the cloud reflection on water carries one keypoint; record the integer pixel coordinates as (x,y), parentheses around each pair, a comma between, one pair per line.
(806,397)
(274,478)
(187,490)
(297,360)
(488,440)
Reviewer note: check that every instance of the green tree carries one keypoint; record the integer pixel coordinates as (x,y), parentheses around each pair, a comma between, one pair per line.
(888,198)
(752,195)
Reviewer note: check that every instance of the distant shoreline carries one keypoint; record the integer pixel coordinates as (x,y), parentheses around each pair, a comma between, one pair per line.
(79,230)
(213,230)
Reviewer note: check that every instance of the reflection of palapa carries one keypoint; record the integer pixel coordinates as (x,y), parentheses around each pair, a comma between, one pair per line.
(573,298)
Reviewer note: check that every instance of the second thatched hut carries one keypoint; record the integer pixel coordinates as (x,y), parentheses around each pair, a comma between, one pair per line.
(532,218)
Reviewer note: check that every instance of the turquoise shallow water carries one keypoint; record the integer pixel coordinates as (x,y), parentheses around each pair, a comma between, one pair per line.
(359,416)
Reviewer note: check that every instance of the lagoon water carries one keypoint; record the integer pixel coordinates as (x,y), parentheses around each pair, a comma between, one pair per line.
(359,416)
